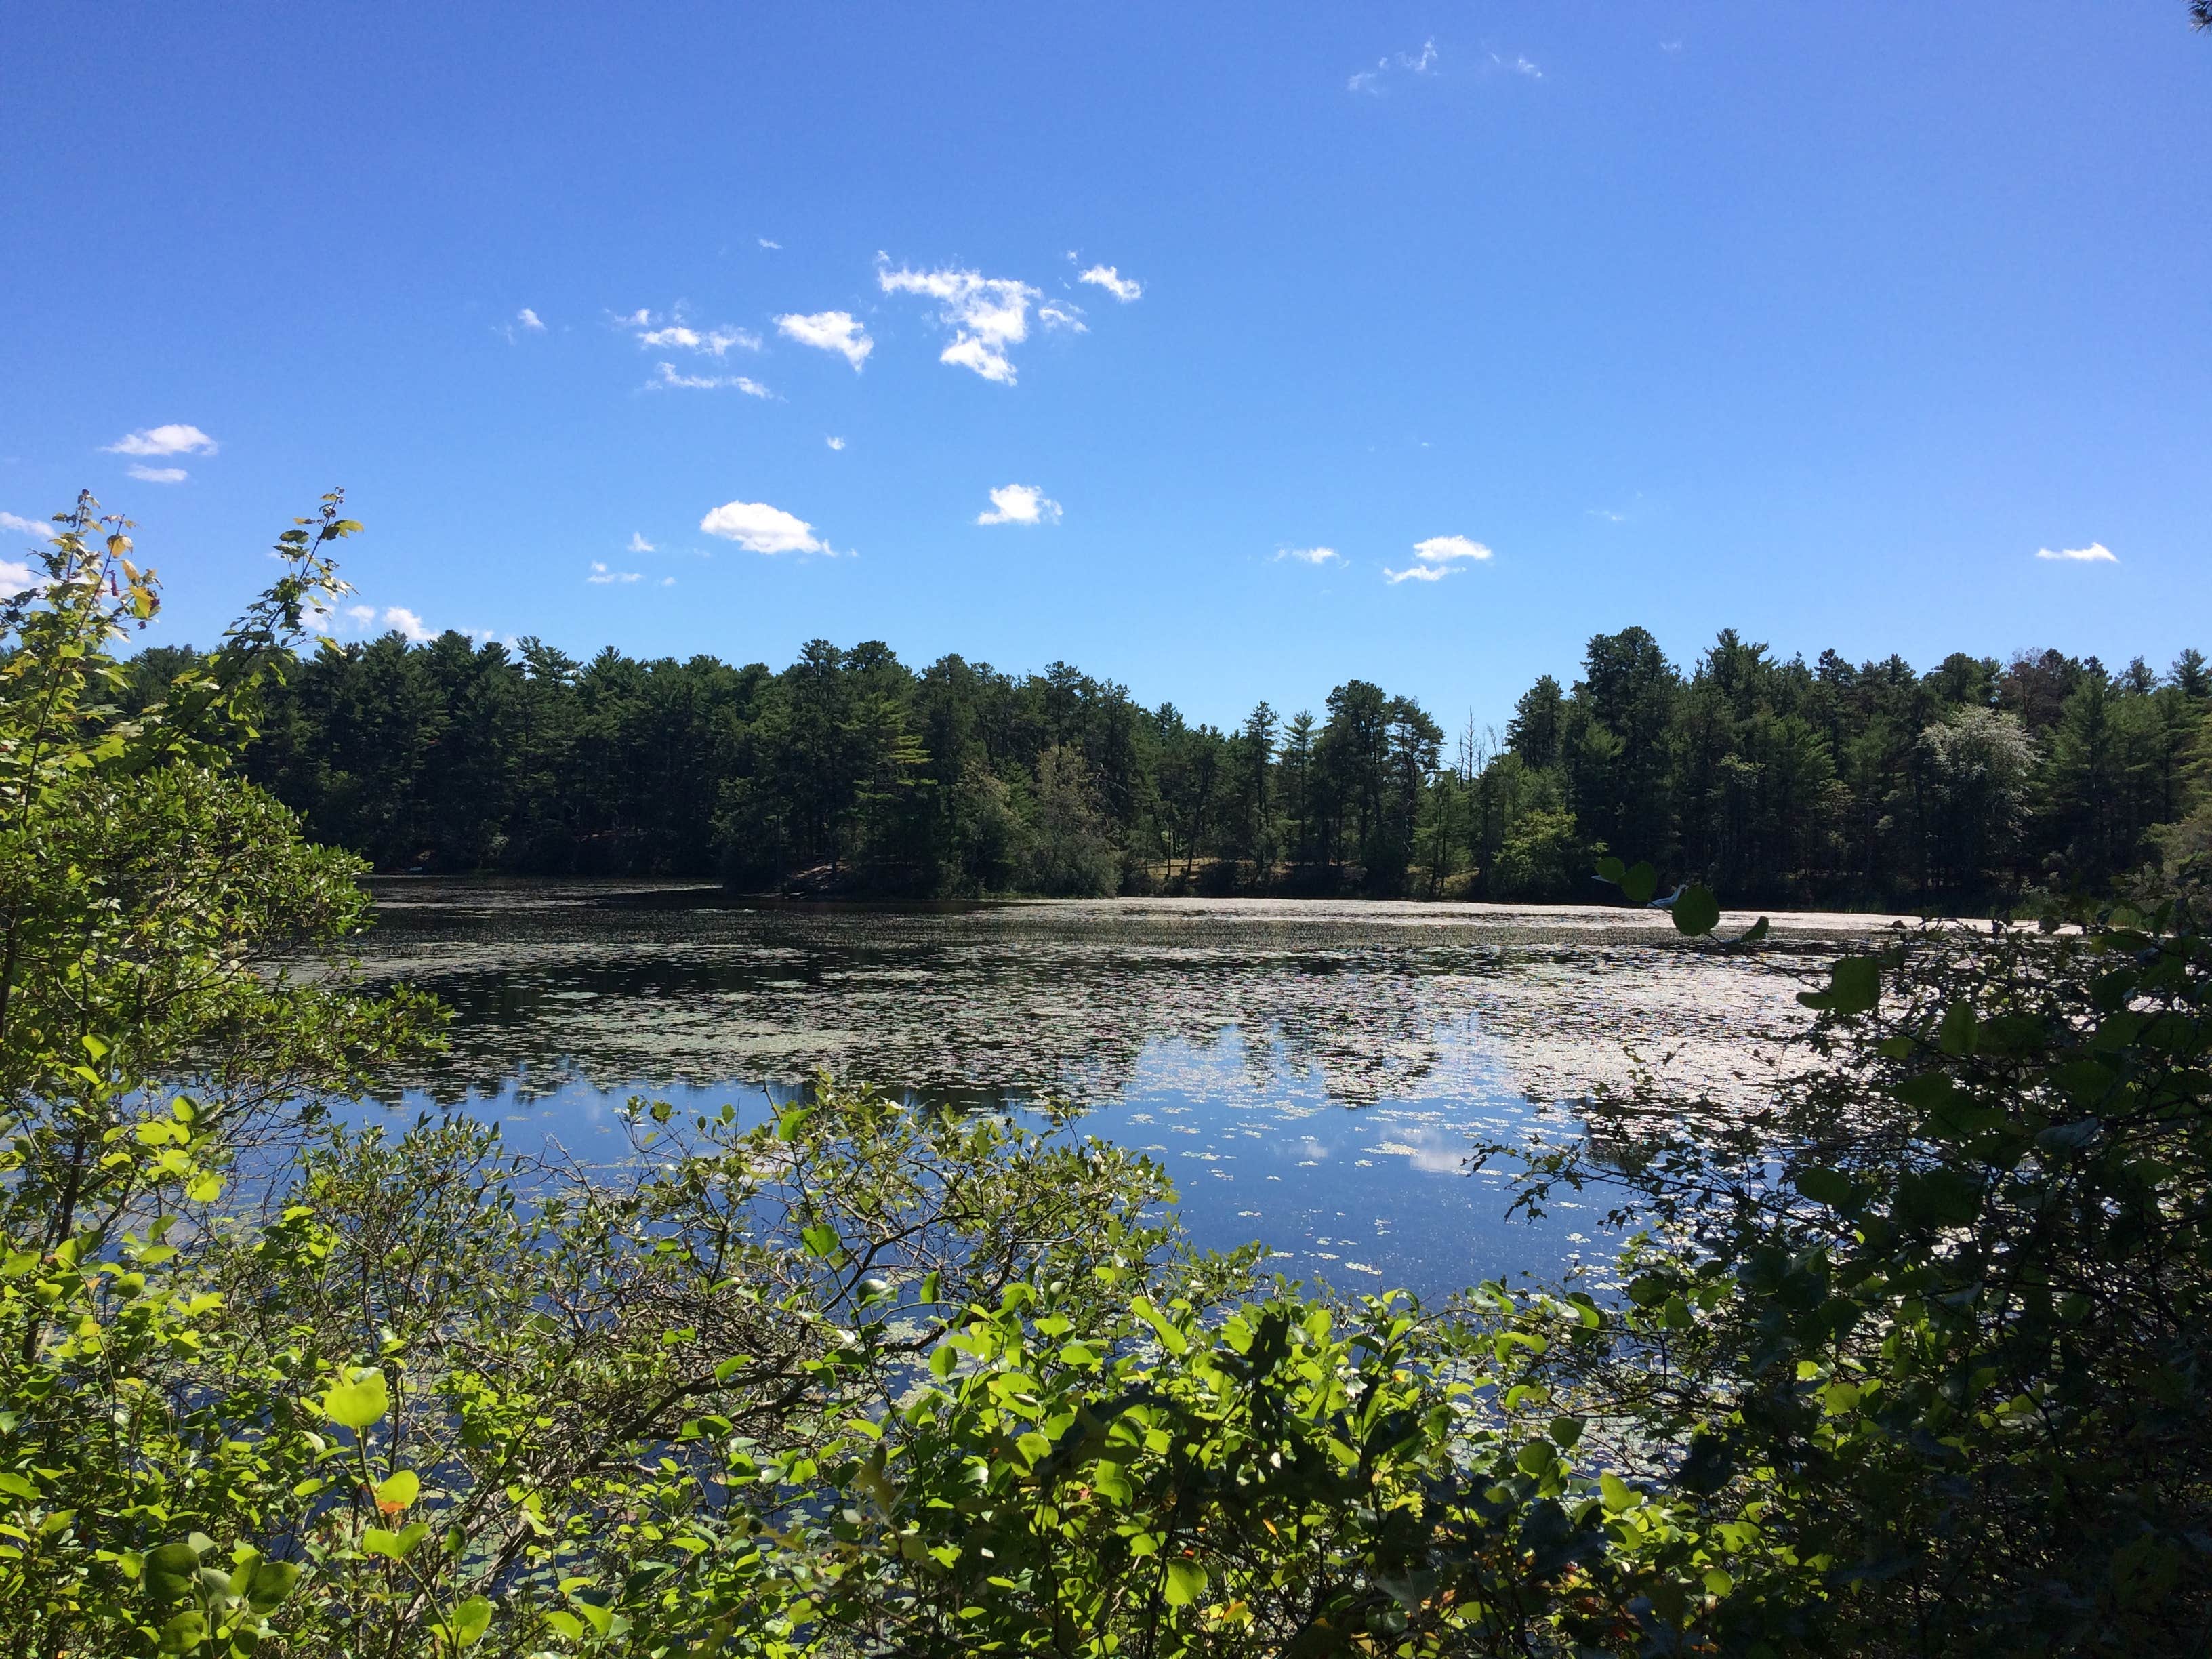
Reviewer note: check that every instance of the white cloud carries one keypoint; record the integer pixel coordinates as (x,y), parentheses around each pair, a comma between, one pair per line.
(600,574)
(714,343)
(15,578)
(828,330)
(1053,314)
(1370,80)
(1436,557)
(528,318)
(670,378)
(147,474)
(17,527)
(1124,288)
(363,614)
(1020,504)
(172,439)
(988,314)
(668,581)
(2095,553)
(408,623)
(1443,550)
(1522,66)
(674,332)
(759,528)
(834,443)
(773,247)
(639,544)
(1309,555)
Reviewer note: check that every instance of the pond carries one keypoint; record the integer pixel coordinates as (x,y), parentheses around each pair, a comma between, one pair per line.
(1311,1074)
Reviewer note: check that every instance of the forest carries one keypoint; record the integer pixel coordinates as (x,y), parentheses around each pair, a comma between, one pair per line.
(1976,783)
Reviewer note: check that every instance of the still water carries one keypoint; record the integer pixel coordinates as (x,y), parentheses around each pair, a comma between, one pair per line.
(1312,1075)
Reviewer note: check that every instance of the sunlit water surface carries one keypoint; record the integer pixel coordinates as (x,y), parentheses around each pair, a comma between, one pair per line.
(1312,1075)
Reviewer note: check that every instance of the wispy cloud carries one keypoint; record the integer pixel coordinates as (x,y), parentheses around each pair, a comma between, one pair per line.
(1053,314)
(16,526)
(759,528)
(672,379)
(362,615)
(1020,504)
(146,474)
(601,575)
(1420,62)
(1124,288)
(773,247)
(714,343)
(828,330)
(1309,555)
(1435,558)
(834,443)
(528,318)
(2095,553)
(639,544)
(408,624)
(174,440)
(987,314)
(674,332)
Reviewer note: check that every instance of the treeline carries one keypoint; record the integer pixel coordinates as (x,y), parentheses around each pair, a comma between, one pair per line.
(1776,781)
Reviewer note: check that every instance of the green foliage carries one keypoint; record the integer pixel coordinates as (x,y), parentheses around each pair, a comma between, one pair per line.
(1976,783)
(1910,1359)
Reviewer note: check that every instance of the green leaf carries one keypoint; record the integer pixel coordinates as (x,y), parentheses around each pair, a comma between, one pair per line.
(359,1400)
(1566,1430)
(1939,1197)
(1959,1033)
(169,1570)
(942,1361)
(1613,870)
(184,1633)
(1854,988)
(1639,882)
(466,1623)
(1186,1582)
(1170,1339)
(1617,1493)
(1697,912)
(1752,935)
(400,1491)
(272,1581)
(1829,1186)
(819,1240)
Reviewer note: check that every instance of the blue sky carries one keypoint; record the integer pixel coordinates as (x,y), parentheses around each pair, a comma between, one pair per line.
(1817,322)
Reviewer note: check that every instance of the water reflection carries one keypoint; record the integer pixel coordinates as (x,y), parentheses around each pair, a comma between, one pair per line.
(1311,1075)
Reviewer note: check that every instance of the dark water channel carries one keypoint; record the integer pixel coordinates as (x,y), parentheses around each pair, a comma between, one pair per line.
(1310,1074)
